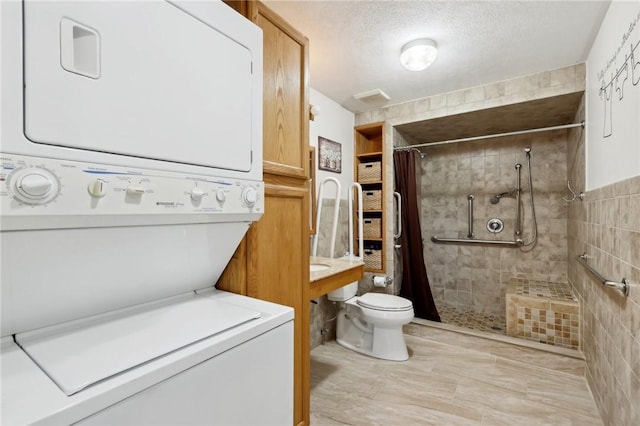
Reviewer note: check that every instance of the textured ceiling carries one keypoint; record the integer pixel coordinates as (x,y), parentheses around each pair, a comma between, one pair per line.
(355,45)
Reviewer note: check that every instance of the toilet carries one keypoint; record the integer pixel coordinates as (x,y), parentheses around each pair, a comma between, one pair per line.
(371,324)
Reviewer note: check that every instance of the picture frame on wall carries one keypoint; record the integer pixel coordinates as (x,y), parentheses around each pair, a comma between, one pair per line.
(329,155)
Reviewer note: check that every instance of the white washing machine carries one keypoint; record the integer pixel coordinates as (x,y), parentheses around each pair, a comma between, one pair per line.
(131,168)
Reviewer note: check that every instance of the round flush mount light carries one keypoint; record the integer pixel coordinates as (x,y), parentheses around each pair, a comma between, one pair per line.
(417,55)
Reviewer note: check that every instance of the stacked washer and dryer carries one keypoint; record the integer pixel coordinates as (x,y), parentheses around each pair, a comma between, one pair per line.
(131,158)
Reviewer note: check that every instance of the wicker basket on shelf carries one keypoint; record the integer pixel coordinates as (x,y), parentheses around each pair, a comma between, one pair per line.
(373,259)
(370,172)
(371,228)
(372,200)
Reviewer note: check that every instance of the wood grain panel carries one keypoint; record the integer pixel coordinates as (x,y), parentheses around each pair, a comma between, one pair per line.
(321,287)
(285,94)
(234,276)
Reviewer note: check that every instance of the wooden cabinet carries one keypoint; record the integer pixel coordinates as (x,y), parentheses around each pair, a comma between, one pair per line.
(272,263)
(370,173)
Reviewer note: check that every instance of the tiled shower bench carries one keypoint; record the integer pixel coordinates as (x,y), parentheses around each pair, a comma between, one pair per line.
(543,312)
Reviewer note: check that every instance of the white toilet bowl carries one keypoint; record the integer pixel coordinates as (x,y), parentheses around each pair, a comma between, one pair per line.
(372,324)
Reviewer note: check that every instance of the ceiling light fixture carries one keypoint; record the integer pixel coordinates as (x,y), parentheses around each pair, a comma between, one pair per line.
(418,54)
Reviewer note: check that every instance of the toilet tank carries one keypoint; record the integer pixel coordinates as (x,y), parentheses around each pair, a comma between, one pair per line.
(343,293)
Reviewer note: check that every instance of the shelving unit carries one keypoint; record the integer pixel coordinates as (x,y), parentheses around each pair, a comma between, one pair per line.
(369,170)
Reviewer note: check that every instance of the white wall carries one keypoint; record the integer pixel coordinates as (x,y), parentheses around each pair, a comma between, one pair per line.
(613,98)
(334,123)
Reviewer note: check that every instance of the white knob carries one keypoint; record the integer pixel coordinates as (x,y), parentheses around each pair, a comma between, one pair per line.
(135,190)
(197,194)
(249,196)
(35,185)
(221,196)
(97,188)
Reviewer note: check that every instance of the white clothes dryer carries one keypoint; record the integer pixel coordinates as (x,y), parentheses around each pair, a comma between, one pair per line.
(130,169)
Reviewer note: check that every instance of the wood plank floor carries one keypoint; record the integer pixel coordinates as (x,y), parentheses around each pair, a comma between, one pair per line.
(449,379)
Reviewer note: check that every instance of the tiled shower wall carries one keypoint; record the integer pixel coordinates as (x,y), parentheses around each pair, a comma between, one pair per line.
(606,226)
(475,277)
(541,85)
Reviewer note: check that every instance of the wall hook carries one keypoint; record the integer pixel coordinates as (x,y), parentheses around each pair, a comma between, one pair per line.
(573,194)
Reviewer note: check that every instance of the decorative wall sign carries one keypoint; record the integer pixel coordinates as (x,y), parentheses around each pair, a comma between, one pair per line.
(622,65)
(613,98)
(329,155)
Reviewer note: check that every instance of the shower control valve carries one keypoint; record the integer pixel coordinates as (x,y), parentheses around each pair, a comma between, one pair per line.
(495,225)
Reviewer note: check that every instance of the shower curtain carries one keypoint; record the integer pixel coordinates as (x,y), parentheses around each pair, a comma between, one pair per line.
(415,284)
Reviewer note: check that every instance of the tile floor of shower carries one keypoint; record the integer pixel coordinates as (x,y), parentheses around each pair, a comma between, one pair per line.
(477,321)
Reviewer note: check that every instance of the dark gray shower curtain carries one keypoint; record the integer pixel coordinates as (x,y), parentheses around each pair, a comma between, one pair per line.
(415,284)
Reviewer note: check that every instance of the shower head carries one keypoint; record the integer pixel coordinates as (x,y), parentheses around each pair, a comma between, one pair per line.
(496,198)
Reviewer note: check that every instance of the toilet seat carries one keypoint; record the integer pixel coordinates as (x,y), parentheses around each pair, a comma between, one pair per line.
(384,302)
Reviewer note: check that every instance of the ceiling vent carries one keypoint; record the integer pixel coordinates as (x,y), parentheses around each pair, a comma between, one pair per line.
(372,96)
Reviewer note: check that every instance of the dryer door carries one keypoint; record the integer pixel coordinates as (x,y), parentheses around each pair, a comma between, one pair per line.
(143,79)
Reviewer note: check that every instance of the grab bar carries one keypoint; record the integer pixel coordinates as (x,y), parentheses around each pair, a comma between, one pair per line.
(358,189)
(438,240)
(470,216)
(622,287)
(518,229)
(336,210)
(398,198)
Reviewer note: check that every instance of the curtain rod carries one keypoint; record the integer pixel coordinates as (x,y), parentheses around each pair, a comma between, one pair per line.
(496,135)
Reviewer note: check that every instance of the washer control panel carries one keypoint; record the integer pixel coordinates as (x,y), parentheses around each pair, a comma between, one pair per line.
(38,187)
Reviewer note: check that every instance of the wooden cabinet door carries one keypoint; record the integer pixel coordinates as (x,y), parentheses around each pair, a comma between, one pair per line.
(285,94)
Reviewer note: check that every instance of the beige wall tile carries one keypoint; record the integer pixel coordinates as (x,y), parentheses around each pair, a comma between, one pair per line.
(602,227)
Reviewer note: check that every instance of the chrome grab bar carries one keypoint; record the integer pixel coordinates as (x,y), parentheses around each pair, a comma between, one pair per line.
(470,198)
(438,240)
(518,229)
(622,287)
(398,198)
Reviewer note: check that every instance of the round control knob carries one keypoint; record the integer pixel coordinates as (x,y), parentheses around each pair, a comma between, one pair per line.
(35,185)
(97,188)
(221,196)
(197,194)
(249,196)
